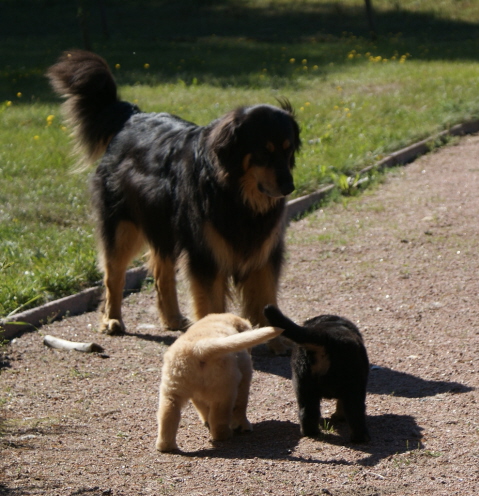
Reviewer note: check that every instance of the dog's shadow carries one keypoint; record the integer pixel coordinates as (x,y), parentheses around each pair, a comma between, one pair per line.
(383,380)
(278,440)
(167,339)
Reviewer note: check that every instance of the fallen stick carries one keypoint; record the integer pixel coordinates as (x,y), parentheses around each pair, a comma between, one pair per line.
(63,344)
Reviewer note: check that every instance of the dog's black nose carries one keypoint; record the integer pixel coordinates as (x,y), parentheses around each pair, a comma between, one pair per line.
(287,188)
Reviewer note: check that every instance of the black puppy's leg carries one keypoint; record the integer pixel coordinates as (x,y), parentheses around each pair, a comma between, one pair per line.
(355,413)
(339,413)
(309,412)
(115,256)
(164,274)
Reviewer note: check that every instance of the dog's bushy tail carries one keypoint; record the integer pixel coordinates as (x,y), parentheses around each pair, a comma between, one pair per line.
(210,347)
(292,330)
(92,105)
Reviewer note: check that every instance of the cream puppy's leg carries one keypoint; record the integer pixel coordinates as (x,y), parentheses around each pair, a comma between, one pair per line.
(203,410)
(169,414)
(240,420)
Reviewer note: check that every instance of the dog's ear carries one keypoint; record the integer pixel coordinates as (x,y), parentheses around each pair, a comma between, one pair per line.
(285,104)
(223,137)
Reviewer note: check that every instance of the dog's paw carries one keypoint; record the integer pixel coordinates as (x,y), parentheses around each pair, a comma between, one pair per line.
(165,446)
(244,426)
(360,438)
(112,327)
(178,324)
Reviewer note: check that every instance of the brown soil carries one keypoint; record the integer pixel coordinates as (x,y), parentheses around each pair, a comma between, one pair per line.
(400,260)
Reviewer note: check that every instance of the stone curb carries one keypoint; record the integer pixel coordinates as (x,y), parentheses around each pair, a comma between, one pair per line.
(88,299)
(76,304)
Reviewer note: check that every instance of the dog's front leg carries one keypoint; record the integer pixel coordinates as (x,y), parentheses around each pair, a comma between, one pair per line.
(258,290)
(209,295)
(164,273)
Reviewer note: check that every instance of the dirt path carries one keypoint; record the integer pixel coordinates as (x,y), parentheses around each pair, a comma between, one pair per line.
(401,261)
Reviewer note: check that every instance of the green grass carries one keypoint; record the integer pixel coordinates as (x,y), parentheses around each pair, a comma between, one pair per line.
(356,99)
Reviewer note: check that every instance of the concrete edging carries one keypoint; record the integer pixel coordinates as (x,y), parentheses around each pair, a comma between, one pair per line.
(88,299)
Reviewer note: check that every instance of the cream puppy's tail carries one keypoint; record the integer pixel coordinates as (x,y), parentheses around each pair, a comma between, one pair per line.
(209,347)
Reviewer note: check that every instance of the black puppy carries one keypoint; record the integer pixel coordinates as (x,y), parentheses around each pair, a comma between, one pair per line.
(330,361)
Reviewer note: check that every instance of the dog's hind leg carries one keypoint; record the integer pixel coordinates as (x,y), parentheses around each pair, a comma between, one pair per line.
(128,241)
(355,413)
(169,415)
(164,274)
(240,421)
(203,410)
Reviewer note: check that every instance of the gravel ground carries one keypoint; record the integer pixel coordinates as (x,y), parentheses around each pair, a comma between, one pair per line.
(399,260)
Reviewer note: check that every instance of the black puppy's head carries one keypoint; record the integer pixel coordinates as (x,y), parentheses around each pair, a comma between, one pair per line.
(256,146)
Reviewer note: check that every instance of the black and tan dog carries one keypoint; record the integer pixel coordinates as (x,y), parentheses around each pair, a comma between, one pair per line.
(210,366)
(215,193)
(329,361)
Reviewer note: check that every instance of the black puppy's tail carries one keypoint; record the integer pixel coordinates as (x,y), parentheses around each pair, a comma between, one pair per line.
(292,330)
(92,105)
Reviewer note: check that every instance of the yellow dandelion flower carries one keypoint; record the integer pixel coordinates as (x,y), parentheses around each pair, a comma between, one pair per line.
(301,108)
(117,66)
(329,126)
(346,109)
(135,101)
(292,61)
(50,120)
(315,67)
(63,128)
(307,104)
(19,94)
(304,61)
(146,66)
(8,103)
(36,137)
(339,88)
(350,55)
(336,107)
(305,67)
(348,114)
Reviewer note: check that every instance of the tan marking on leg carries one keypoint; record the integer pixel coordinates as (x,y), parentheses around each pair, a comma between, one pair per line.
(164,274)
(208,300)
(128,242)
(258,290)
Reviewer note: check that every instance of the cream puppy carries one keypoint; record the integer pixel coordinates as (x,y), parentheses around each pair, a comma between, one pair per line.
(210,365)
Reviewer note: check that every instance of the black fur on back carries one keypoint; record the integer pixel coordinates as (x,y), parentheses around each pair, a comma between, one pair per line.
(330,361)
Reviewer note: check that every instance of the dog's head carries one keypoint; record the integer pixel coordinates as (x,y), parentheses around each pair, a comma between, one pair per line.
(256,147)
